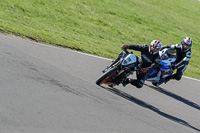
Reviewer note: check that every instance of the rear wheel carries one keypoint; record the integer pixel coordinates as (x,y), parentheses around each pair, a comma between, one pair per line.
(104,78)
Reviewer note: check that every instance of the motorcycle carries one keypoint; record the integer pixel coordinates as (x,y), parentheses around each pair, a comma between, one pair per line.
(124,65)
(168,59)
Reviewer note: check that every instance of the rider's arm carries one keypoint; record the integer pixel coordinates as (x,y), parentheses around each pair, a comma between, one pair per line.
(166,46)
(184,62)
(170,47)
(141,47)
(154,65)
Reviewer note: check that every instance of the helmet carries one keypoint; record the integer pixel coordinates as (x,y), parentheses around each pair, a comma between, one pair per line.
(186,44)
(155,46)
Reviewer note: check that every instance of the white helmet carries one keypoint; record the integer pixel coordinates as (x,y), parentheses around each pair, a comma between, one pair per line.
(186,44)
(155,46)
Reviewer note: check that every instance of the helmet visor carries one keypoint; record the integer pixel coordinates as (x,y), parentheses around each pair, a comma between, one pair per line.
(154,49)
(185,46)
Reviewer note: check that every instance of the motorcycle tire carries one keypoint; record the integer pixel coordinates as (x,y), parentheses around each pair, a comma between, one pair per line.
(105,76)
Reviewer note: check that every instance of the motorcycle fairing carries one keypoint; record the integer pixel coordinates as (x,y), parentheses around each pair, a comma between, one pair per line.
(129,60)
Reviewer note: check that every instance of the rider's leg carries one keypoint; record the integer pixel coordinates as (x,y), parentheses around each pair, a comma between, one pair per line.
(139,82)
(177,76)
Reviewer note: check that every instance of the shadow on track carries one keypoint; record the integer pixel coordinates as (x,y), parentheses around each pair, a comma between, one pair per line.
(179,98)
(148,106)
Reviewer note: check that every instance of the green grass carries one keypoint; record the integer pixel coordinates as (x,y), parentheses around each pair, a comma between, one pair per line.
(100,27)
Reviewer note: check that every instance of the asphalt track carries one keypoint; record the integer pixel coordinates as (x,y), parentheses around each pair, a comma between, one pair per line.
(45,89)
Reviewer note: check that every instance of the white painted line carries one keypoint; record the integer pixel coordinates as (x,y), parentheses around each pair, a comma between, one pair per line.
(191,78)
(91,55)
(46,45)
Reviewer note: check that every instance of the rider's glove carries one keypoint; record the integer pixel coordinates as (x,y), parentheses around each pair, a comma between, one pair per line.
(142,70)
(124,47)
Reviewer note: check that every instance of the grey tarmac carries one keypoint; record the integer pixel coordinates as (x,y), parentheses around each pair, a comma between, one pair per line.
(46,89)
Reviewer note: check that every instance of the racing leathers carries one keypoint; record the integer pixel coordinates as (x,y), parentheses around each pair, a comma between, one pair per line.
(182,60)
(148,62)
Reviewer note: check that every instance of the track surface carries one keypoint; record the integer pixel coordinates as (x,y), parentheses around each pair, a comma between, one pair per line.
(46,89)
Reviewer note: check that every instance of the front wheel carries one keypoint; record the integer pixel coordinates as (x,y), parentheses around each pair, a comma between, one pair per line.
(104,78)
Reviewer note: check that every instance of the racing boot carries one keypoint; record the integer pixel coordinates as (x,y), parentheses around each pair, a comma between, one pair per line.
(168,78)
(164,81)
(136,83)
(127,81)
(157,83)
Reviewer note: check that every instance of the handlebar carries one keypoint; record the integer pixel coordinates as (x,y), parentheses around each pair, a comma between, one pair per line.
(126,51)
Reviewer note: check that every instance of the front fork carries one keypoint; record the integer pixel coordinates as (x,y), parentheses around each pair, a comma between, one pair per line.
(114,62)
(122,76)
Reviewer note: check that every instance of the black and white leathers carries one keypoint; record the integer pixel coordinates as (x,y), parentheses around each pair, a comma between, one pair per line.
(147,59)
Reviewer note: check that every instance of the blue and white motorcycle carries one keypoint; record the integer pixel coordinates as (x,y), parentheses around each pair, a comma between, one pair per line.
(168,59)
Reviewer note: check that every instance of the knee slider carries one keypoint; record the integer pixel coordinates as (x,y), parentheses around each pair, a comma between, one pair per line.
(136,83)
(140,84)
(177,77)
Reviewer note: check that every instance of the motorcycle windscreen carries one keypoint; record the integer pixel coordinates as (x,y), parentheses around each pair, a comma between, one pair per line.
(129,60)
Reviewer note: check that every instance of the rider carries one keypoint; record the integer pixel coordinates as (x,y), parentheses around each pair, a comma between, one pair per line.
(148,60)
(183,53)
